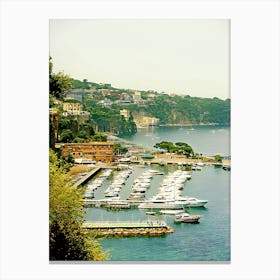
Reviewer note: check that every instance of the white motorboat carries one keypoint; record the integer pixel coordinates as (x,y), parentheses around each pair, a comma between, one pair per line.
(191,201)
(187,218)
(160,204)
(171,212)
(196,168)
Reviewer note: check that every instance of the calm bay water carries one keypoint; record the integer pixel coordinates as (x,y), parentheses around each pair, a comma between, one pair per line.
(207,241)
(208,140)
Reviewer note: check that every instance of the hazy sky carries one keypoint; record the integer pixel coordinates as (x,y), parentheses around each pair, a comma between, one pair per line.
(174,56)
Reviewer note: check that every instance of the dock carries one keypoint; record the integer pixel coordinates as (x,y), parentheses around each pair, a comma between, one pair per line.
(127,228)
(85,178)
(124,224)
(104,202)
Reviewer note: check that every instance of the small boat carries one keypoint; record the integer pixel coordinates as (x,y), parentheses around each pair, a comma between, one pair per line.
(150,213)
(187,218)
(196,168)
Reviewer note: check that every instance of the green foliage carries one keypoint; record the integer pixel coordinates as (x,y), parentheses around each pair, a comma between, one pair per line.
(178,148)
(69,159)
(110,120)
(218,158)
(66,136)
(100,137)
(119,149)
(71,131)
(67,239)
(188,109)
(59,83)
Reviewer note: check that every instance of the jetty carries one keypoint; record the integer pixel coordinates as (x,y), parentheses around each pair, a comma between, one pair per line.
(128,228)
(106,202)
(86,177)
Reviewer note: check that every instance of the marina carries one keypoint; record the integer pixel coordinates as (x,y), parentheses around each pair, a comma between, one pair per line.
(211,183)
(167,197)
(204,192)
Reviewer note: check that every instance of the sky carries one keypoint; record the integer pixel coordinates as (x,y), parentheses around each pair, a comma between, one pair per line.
(182,56)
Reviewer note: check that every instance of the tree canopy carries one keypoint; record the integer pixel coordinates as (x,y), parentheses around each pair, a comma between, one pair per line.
(178,148)
(67,239)
(59,83)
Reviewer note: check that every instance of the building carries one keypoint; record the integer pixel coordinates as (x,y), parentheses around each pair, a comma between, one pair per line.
(137,97)
(124,102)
(106,102)
(144,121)
(125,113)
(150,121)
(76,94)
(98,151)
(151,95)
(73,108)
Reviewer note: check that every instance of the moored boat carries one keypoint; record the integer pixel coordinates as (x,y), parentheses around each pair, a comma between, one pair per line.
(160,204)
(171,212)
(187,218)
(152,213)
(191,201)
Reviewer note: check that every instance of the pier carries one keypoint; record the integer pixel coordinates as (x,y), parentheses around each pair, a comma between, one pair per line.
(127,228)
(105,202)
(87,176)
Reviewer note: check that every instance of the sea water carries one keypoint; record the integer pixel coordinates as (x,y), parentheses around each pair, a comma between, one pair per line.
(208,240)
(208,140)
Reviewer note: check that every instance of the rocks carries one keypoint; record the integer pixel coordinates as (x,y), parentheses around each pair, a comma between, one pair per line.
(126,232)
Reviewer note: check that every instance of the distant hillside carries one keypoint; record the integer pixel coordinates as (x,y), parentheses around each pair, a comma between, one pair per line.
(168,109)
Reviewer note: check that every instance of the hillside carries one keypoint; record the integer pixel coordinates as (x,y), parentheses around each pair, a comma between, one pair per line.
(168,109)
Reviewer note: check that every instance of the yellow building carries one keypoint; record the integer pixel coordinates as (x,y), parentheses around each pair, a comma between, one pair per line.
(150,121)
(73,108)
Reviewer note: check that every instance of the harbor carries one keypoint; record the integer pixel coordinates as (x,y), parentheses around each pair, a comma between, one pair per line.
(162,188)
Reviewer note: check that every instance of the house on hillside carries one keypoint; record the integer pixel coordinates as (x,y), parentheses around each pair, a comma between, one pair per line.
(125,113)
(73,108)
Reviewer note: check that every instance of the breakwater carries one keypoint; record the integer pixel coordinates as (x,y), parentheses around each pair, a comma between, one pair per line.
(129,229)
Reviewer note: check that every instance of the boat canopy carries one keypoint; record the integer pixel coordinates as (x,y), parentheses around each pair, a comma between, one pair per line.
(147,156)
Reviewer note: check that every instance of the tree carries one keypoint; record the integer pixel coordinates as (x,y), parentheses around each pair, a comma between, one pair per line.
(178,148)
(100,137)
(58,83)
(67,239)
(66,136)
(119,149)
(168,146)
(218,158)
(51,134)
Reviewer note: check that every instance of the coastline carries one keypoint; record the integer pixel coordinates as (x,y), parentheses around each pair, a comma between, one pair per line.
(190,125)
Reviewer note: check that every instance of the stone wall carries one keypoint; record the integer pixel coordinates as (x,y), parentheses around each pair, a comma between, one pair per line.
(125,232)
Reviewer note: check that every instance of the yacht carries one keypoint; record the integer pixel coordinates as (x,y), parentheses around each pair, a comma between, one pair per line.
(190,201)
(160,204)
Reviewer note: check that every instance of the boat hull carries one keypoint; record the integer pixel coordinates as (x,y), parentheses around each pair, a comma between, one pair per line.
(190,219)
(195,204)
(160,206)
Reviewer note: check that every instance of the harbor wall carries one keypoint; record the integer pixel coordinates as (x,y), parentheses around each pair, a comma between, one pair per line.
(130,232)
